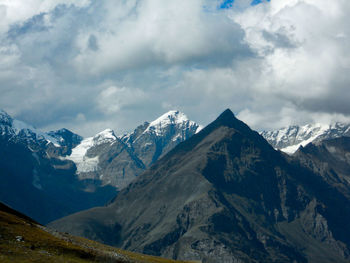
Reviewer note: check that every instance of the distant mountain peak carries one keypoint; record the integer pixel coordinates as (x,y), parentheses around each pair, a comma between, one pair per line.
(289,139)
(172,117)
(228,119)
(21,130)
(106,135)
(5,118)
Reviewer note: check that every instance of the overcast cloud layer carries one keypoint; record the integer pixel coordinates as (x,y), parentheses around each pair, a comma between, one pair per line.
(90,65)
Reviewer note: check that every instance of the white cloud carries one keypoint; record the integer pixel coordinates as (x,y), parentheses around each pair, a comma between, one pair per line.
(303,46)
(117,63)
(113,99)
(18,11)
(154,32)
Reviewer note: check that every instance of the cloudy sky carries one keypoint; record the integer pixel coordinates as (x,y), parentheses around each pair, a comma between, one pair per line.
(88,65)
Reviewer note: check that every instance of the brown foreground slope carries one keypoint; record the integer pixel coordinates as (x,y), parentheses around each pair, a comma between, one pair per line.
(24,240)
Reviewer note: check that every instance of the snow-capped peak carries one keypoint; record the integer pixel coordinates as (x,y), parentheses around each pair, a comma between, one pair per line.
(19,128)
(5,119)
(22,127)
(78,155)
(104,136)
(289,139)
(80,150)
(172,117)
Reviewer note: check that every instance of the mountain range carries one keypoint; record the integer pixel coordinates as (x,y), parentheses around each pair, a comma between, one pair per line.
(117,160)
(226,195)
(36,179)
(170,188)
(289,139)
(62,173)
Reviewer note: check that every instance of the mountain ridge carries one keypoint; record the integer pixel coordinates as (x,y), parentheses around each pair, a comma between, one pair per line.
(131,153)
(289,139)
(224,192)
(74,173)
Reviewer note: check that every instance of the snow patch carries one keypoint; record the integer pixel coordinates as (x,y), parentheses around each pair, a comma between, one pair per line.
(199,128)
(87,165)
(78,156)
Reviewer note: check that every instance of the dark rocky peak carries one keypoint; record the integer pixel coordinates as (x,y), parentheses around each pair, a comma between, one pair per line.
(66,137)
(228,119)
(229,129)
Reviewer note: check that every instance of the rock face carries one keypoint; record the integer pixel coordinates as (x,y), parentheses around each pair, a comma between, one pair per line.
(66,139)
(291,138)
(224,195)
(331,159)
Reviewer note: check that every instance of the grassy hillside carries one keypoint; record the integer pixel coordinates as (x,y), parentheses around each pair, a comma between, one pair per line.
(24,240)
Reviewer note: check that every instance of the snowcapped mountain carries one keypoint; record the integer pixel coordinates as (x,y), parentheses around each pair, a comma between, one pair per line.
(173,119)
(79,153)
(117,160)
(64,173)
(66,137)
(37,179)
(18,130)
(152,140)
(289,139)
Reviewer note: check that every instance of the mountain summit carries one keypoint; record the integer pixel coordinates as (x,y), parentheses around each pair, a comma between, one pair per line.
(118,160)
(224,195)
(171,118)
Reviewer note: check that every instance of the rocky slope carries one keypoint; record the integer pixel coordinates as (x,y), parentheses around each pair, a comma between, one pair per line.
(224,195)
(24,240)
(331,159)
(289,139)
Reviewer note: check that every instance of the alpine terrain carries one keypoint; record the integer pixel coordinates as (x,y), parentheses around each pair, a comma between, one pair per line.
(35,177)
(61,173)
(291,138)
(226,195)
(117,160)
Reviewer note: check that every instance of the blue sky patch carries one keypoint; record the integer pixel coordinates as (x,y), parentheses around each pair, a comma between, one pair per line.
(227,4)
(256,2)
